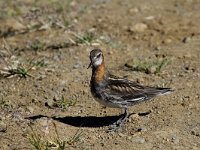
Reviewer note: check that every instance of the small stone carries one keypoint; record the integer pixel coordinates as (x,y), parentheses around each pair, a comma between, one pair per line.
(152,70)
(49,103)
(157,48)
(95,44)
(30,109)
(187,55)
(140,80)
(40,77)
(122,135)
(133,10)
(18,116)
(16,25)
(167,41)
(134,116)
(150,17)
(77,65)
(129,64)
(175,140)
(99,20)
(85,92)
(186,39)
(3,127)
(167,139)
(142,129)
(73,3)
(138,27)
(44,123)
(138,139)
(110,52)
(135,37)
(195,131)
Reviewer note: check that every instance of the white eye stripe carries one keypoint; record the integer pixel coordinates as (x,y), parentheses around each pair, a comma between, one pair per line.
(98,55)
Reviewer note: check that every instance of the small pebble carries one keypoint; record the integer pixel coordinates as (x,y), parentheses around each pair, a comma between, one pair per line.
(167,41)
(3,127)
(195,131)
(77,65)
(49,103)
(133,10)
(44,123)
(142,129)
(30,109)
(122,135)
(138,139)
(138,27)
(186,39)
(152,70)
(175,140)
(157,48)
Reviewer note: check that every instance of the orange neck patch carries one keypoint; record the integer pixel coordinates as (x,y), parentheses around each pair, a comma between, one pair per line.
(100,72)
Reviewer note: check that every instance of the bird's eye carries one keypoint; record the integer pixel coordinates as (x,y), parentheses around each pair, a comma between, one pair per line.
(99,55)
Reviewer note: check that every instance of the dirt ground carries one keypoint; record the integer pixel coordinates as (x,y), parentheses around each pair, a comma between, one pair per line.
(45,99)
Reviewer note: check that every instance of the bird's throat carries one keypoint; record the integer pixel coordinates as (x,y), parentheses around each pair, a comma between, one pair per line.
(99,73)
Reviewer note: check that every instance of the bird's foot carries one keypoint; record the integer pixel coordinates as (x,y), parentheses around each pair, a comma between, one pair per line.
(116,126)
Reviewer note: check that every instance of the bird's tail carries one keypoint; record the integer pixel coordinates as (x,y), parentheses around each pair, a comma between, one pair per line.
(163,91)
(151,92)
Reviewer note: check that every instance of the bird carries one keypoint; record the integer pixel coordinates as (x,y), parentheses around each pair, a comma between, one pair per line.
(117,92)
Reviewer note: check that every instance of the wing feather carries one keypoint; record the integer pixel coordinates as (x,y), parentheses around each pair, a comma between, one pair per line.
(125,91)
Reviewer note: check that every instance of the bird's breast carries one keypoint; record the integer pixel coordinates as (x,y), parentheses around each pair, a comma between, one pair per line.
(99,73)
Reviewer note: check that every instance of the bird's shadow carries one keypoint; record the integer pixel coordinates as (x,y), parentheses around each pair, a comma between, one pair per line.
(82,121)
(86,121)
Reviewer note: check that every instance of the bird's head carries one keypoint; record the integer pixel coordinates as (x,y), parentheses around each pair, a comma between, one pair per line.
(96,58)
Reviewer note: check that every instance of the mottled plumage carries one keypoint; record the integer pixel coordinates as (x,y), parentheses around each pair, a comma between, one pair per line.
(113,91)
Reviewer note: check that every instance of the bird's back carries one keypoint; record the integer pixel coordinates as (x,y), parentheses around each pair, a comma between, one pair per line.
(125,92)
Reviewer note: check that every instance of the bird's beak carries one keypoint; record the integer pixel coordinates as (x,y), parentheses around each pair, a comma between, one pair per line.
(89,65)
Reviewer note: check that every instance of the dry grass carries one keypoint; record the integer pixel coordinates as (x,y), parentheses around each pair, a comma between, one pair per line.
(40,142)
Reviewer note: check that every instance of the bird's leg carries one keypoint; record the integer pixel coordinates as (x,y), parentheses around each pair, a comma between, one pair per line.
(118,124)
(123,118)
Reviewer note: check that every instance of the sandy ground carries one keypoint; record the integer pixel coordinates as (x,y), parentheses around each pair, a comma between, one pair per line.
(45,98)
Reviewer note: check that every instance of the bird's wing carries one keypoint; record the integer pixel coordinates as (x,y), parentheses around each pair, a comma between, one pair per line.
(123,90)
(120,86)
